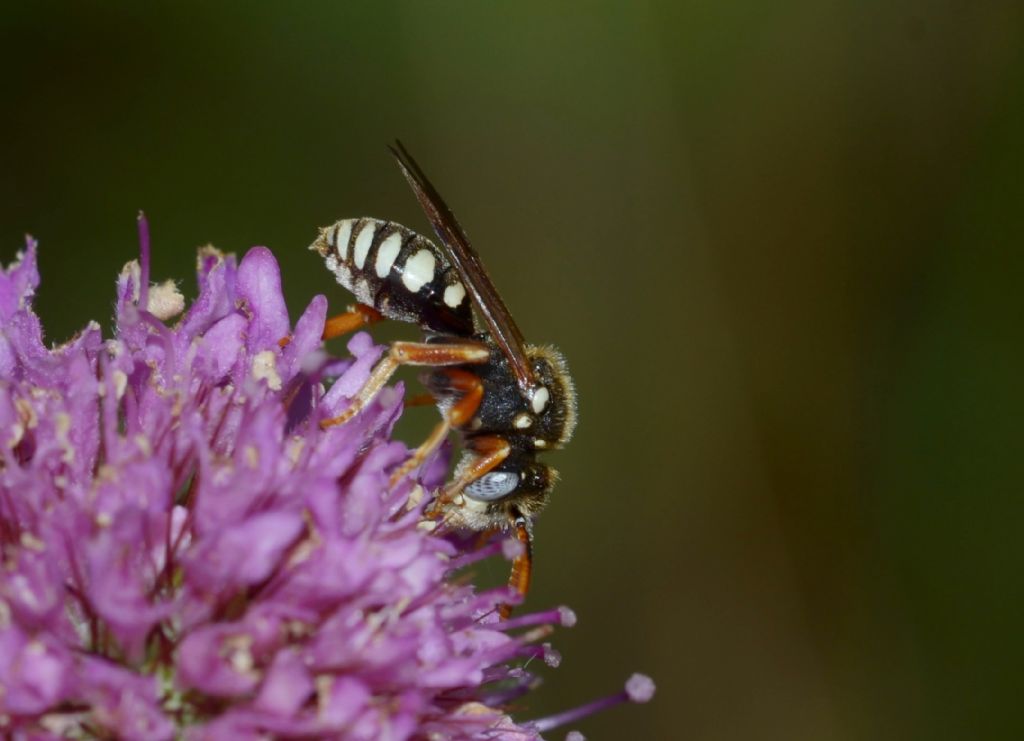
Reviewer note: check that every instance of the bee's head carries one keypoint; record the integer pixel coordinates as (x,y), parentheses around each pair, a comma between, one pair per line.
(528,478)
(518,486)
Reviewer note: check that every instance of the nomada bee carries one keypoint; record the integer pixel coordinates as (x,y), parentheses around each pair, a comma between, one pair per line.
(507,400)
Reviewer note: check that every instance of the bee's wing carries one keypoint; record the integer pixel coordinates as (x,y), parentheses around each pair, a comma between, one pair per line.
(503,328)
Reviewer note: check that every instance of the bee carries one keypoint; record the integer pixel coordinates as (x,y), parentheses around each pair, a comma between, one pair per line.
(508,401)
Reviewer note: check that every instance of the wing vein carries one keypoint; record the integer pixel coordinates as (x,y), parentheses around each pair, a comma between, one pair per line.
(486,298)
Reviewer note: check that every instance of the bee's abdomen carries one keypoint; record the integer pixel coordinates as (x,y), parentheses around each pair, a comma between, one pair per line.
(399,273)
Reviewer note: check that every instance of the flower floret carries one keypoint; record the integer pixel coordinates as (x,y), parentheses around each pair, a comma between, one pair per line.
(188,554)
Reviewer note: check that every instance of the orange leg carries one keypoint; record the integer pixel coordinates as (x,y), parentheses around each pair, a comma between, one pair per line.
(491,451)
(356,317)
(472,391)
(432,443)
(420,400)
(484,537)
(410,353)
(522,566)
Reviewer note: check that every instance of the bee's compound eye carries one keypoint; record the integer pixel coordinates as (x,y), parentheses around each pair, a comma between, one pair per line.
(493,485)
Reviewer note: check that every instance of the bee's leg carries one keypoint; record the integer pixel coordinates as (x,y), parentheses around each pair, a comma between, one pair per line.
(484,537)
(470,390)
(491,450)
(409,353)
(420,400)
(522,566)
(357,316)
(428,446)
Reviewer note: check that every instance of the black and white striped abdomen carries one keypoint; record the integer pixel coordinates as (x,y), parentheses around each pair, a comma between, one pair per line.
(399,273)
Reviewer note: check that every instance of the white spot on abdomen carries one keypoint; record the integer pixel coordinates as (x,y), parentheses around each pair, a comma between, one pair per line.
(363,242)
(454,294)
(386,254)
(418,270)
(343,237)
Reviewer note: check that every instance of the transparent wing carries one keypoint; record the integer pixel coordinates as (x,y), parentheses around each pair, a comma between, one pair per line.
(504,330)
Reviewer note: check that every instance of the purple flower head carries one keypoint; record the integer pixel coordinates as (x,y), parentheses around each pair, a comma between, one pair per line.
(186,553)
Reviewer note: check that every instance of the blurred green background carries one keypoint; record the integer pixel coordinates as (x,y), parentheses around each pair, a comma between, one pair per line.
(780,244)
